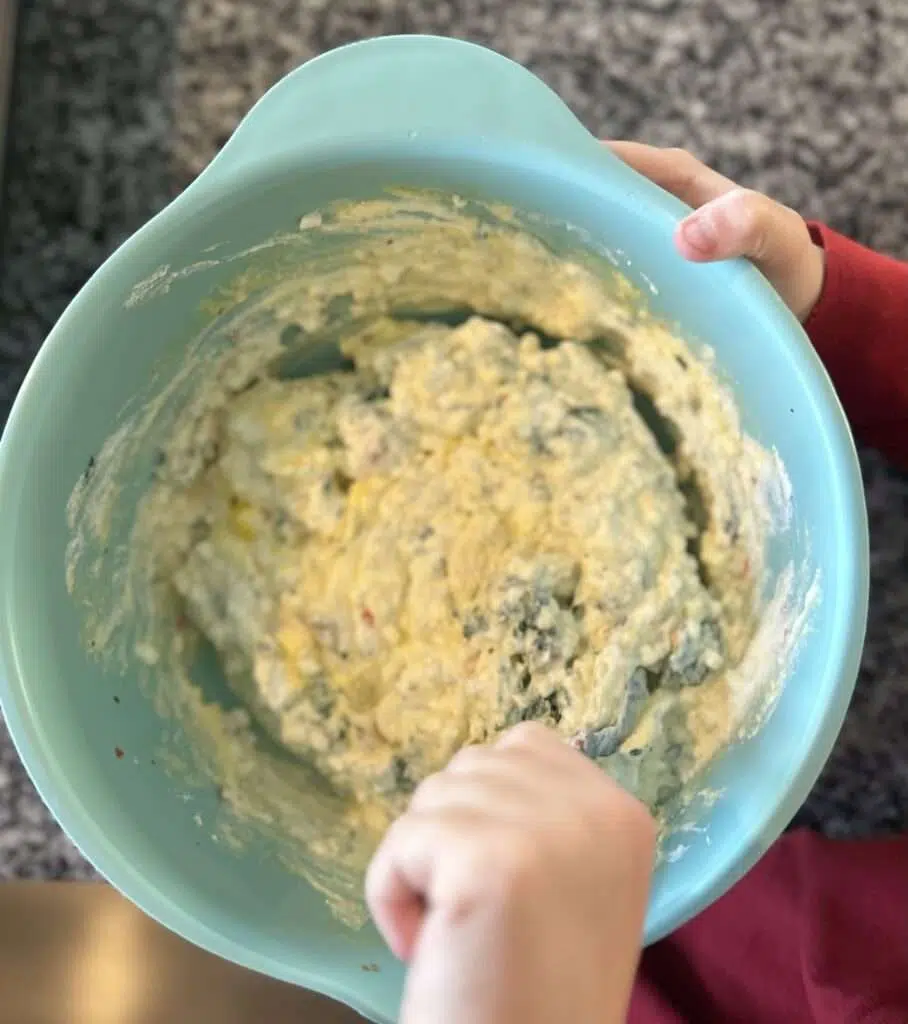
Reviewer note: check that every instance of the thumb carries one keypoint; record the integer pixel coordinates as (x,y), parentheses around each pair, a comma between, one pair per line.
(774,237)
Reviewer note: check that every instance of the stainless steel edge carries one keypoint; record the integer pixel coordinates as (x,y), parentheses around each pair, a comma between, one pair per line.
(79,953)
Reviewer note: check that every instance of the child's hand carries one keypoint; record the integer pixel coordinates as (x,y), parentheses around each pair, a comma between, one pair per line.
(731,221)
(515,886)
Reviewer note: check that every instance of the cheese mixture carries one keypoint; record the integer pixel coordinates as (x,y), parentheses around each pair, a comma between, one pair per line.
(462,532)
(508,493)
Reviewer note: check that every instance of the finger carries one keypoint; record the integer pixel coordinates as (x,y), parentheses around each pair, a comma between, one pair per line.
(401,880)
(469,757)
(500,789)
(738,223)
(524,742)
(530,736)
(510,775)
(675,170)
(396,907)
(569,779)
(538,743)
(773,236)
(538,749)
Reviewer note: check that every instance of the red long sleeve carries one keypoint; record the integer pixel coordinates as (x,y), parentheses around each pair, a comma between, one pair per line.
(817,932)
(859,328)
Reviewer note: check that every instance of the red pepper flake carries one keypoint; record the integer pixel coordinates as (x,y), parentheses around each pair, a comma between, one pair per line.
(368,616)
(119,752)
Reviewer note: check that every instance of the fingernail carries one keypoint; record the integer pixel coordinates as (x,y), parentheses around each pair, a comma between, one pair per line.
(699,233)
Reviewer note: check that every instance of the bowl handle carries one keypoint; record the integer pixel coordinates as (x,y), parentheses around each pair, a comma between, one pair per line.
(406,87)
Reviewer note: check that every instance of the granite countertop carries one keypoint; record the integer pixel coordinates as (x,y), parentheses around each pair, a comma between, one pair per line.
(119,103)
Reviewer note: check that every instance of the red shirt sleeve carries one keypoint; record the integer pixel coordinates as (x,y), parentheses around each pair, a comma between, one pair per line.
(859,328)
(817,931)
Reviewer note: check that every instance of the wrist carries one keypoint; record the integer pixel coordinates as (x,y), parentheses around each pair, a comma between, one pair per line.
(818,274)
(813,281)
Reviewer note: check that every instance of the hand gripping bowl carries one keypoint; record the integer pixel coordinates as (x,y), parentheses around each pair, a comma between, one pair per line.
(422,112)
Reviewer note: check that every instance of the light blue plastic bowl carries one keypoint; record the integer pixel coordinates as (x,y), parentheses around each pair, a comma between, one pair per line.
(398,111)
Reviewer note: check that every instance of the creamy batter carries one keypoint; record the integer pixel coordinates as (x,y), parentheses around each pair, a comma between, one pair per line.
(463,531)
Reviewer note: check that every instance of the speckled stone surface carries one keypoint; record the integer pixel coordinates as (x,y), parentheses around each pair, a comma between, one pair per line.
(121,102)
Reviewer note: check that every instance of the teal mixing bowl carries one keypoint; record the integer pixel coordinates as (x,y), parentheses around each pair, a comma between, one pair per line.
(398,111)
